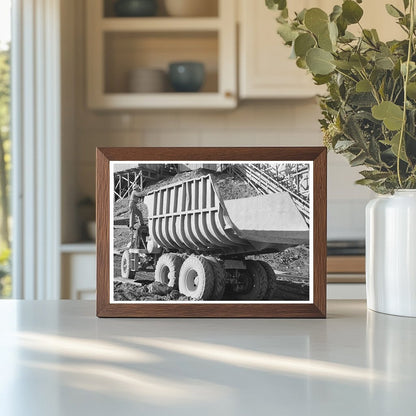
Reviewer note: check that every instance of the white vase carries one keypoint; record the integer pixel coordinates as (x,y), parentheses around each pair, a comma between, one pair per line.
(391,253)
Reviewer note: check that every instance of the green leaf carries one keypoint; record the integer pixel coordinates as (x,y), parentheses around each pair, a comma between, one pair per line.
(303,43)
(342,25)
(358,160)
(394,144)
(374,174)
(344,65)
(411,90)
(358,61)
(336,12)
(321,79)
(301,63)
(287,33)
(363,86)
(325,42)
(375,35)
(301,15)
(347,37)
(343,145)
(351,11)
(393,11)
(276,4)
(384,62)
(319,61)
(388,112)
(316,20)
(333,32)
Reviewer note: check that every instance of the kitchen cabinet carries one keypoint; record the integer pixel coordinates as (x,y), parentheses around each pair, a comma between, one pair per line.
(118,45)
(265,70)
(78,271)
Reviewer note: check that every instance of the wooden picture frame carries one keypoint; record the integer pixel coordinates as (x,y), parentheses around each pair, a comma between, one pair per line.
(108,303)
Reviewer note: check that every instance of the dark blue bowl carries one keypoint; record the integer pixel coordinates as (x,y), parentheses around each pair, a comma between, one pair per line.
(186,76)
(135,8)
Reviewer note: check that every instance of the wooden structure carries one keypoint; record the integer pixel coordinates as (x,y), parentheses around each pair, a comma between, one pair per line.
(141,176)
(292,178)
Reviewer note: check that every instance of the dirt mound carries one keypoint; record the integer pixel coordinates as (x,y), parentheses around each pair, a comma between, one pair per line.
(293,261)
(136,291)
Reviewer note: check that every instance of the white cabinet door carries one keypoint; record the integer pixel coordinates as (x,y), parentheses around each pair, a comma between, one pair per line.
(265,68)
(78,276)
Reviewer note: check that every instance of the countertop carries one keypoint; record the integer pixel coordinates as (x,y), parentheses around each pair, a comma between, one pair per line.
(57,358)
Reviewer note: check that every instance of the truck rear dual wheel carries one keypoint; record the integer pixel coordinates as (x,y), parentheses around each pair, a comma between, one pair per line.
(271,280)
(219,278)
(257,282)
(196,278)
(167,269)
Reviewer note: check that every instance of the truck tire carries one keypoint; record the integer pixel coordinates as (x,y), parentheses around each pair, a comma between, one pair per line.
(219,279)
(258,279)
(167,269)
(271,278)
(126,272)
(196,278)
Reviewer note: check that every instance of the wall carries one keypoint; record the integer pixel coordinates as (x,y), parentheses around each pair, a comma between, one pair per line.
(256,123)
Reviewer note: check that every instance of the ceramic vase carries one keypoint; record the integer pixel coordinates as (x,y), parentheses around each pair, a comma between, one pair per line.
(391,253)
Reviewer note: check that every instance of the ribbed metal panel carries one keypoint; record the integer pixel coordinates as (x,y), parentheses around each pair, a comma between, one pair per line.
(190,215)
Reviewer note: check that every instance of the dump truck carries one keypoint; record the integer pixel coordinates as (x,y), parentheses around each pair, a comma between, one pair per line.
(198,242)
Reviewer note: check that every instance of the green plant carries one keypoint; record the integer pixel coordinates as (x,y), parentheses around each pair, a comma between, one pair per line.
(5,280)
(369,113)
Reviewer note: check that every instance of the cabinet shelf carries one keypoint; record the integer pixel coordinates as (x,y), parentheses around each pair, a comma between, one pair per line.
(198,100)
(116,46)
(160,24)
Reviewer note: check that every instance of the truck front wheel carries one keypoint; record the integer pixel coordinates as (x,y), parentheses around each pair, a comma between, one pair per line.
(126,272)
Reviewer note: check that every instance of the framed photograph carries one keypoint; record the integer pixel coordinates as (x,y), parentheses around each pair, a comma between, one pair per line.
(211,232)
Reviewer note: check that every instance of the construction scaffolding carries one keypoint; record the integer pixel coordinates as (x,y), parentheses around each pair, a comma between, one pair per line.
(292,178)
(140,177)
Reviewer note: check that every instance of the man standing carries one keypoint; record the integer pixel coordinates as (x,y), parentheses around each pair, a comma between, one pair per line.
(135,199)
(139,231)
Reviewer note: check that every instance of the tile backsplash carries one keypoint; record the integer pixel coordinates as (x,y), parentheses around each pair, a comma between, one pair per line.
(253,123)
(258,123)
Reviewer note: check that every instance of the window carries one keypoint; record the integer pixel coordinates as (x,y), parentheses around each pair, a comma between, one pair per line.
(5,147)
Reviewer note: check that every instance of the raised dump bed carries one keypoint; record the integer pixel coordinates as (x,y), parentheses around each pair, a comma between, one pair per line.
(199,242)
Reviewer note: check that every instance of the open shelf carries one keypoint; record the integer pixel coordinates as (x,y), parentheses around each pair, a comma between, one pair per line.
(160,24)
(119,45)
(126,51)
(211,9)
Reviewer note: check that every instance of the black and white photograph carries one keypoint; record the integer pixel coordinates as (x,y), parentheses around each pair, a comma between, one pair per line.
(211,232)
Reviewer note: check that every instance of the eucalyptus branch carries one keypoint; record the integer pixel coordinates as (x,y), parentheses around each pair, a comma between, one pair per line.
(346,75)
(406,80)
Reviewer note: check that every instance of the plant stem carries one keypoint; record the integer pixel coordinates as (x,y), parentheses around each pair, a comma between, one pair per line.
(406,80)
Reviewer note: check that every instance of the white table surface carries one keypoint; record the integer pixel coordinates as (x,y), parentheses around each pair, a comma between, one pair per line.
(57,358)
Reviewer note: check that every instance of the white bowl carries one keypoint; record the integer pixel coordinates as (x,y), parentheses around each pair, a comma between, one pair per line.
(147,80)
(191,8)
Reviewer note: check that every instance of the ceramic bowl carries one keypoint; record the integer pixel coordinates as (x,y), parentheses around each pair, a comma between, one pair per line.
(147,80)
(186,76)
(135,8)
(191,8)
